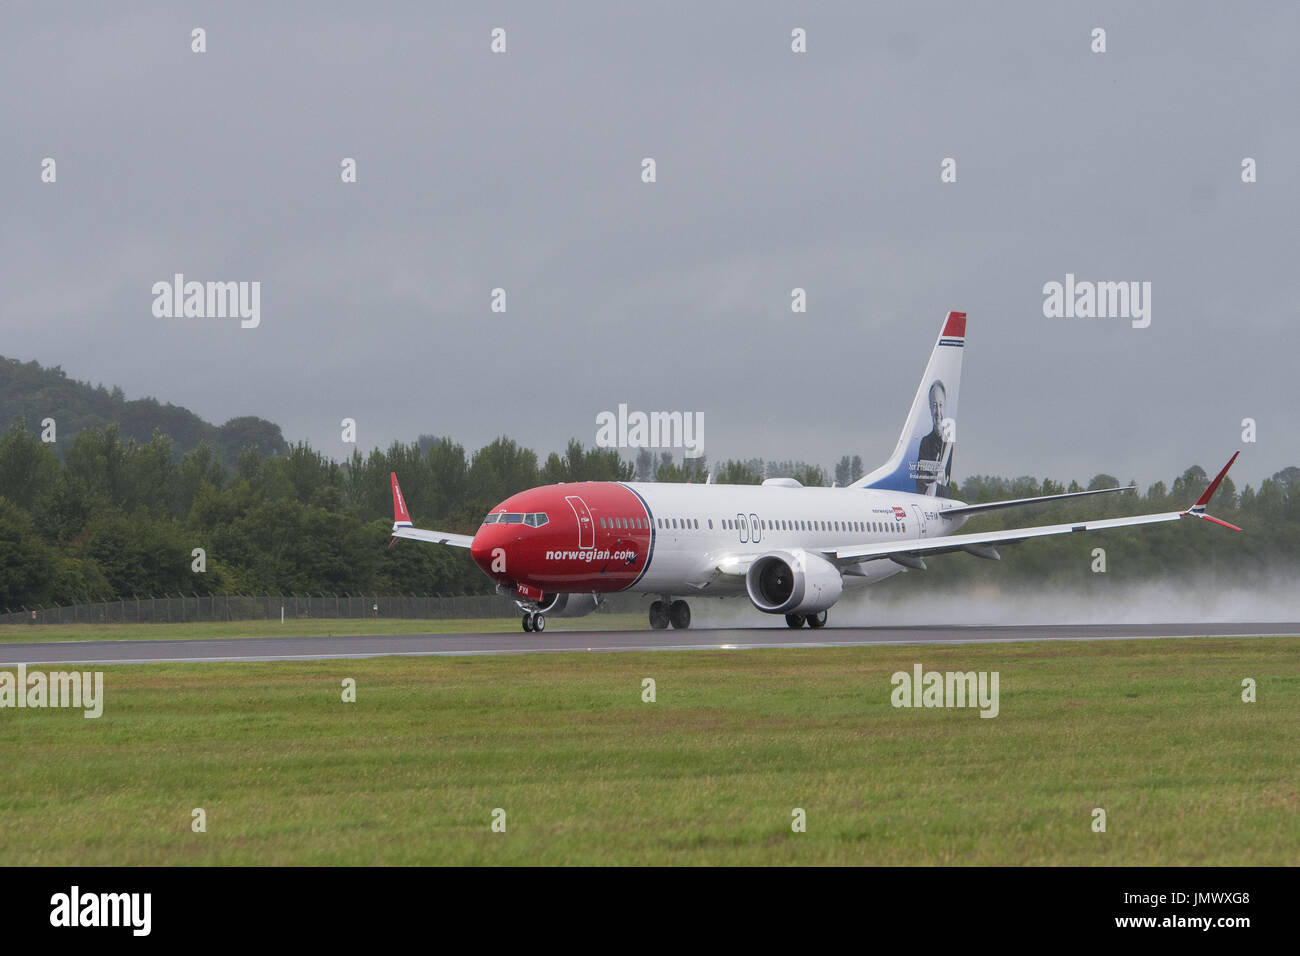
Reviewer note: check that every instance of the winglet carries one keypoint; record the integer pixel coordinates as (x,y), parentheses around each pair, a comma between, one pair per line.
(1198,510)
(401,518)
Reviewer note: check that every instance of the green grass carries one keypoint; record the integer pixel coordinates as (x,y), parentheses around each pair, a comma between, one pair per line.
(1154,732)
(302,627)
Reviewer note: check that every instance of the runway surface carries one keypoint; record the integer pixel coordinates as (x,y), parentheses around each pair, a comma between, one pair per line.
(552,642)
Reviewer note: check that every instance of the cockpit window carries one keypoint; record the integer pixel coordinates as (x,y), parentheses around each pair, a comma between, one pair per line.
(534,519)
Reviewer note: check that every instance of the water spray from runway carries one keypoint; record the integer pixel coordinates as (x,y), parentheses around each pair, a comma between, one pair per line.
(1185,601)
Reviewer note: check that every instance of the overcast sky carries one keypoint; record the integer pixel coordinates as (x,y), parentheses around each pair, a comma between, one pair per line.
(775,170)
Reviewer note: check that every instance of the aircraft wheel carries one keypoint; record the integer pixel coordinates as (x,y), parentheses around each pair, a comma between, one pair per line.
(680,615)
(658,615)
(539,623)
(817,620)
(794,620)
(528,622)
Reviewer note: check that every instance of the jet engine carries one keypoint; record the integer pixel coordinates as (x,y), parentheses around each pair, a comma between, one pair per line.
(793,582)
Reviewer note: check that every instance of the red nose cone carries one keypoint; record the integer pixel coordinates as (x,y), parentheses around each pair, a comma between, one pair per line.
(488,549)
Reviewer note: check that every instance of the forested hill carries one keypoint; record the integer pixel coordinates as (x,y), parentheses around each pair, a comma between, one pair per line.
(30,393)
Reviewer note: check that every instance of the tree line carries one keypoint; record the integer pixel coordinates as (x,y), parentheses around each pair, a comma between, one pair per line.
(117,517)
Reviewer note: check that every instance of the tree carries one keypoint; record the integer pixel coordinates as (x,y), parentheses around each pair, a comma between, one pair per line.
(98,459)
(500,470)
(695,470)
(737,473)
(644,465)
(199,467)
(848,470)
(252,432)
(592,464)
(810,475)
(29,470)
(1288,477)
(27,565)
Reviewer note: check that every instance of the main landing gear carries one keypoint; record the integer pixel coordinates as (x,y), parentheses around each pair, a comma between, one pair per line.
(534,621)
(676,613)
(814,620)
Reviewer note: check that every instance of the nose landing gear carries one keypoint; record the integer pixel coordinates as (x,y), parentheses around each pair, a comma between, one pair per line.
(533,621)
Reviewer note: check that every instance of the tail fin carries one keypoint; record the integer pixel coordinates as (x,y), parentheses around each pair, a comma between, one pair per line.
(922,460)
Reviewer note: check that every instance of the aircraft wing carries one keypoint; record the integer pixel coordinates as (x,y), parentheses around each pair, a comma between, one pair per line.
(402,527)
(917,547)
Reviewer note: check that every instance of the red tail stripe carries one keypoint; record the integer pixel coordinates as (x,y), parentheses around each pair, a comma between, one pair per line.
(955,326)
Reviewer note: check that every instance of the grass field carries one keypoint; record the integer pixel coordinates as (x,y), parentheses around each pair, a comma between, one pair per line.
(302,627)
(1153,732)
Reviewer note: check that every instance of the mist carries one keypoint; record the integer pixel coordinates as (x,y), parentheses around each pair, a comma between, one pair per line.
(1200,600)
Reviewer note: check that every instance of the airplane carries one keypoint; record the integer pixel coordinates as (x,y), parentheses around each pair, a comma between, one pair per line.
(792,550)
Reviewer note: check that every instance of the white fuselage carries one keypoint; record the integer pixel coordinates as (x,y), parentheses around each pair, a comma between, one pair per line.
(697,526)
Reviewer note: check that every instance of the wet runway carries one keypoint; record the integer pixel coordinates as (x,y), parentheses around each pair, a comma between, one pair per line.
(552,642)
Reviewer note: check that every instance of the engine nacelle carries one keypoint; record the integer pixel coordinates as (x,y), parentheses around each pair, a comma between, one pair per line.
(565,605)
(793,582)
